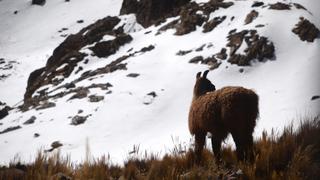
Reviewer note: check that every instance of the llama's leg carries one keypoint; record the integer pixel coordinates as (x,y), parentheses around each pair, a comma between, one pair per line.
(200,139)
(216,147)
(239,145)
(249,156)
(244,144)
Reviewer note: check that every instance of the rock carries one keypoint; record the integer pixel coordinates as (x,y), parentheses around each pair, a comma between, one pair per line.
(241,70)
(54,145)
(61,176)
(4,112)
(315,97)
(149,12)
(67,53)
(196,59)
(10,129)
(76,120)
(80,93)
(148,48)
(69,85)
(15,12)
(35,135)
(80,111)
(279,6)
(306,30)
(133,75)
(251,16)
(107,48)
(94,98)
(212,62)
(80,21)
(170,25)
(30,120)
(46,105)
(38,2)
(182,53)
(299,6)
(210,25)
(259,25)
(257,4)
(149,98)
(258,47)
(222,54)
(12,173)
(188,21)
(200,48)
(152,94)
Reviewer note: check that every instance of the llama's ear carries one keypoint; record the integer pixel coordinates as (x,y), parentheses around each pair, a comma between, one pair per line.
(205,73)
(198,75)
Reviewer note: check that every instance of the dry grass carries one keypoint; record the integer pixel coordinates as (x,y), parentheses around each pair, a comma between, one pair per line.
(294,154)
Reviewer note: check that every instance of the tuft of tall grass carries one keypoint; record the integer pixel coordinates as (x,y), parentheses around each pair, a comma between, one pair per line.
(293,154)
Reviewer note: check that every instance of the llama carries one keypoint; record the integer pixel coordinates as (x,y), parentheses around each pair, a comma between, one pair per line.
(227,110)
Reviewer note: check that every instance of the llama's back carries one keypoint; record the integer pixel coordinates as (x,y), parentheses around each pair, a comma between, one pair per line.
(239,107)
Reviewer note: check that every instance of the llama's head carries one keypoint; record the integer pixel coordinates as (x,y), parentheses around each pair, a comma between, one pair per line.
(203,85)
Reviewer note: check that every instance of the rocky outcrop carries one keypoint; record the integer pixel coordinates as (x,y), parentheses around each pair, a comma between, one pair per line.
(279,6)
(149,12)
(210,25)
(67,55)
(306,30)
(251,16)
(38,2)
(193,15)
(10,129)
(258,47)
(107,48)
(4,112)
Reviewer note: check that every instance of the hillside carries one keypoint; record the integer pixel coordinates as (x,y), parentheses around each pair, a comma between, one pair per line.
(78,73)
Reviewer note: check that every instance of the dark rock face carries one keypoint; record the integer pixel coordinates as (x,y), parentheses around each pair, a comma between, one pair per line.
(10,129)
(76,120)
(258,47)
(133,75)
(4,112)
(210,25)
(315,97)
(66,56)
(38,2)
(299,6)
(94,98)
(107,48)
(183,52)
(306,30)
(188,21)
(30,121)
(257,4)
(149,12)
(251,16)
(46,105)
(212,62)
(196,59)
(54,145)
(222,54)
(280,6)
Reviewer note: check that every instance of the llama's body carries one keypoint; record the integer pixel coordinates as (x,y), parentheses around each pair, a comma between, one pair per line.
(227,110)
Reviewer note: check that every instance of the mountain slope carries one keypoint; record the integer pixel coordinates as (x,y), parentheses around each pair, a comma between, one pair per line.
(151,109)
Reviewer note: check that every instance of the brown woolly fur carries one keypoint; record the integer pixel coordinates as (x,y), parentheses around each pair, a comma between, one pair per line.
(227,110)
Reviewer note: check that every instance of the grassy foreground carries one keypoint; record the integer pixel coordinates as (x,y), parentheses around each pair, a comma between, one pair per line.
(294,154)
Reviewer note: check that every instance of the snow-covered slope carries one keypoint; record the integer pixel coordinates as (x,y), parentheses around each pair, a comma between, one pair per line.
(150,110)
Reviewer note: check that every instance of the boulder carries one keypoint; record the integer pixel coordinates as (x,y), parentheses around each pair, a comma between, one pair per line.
(306,30)
(149,12)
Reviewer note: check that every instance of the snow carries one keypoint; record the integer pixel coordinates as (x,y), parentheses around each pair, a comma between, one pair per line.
(123,120)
